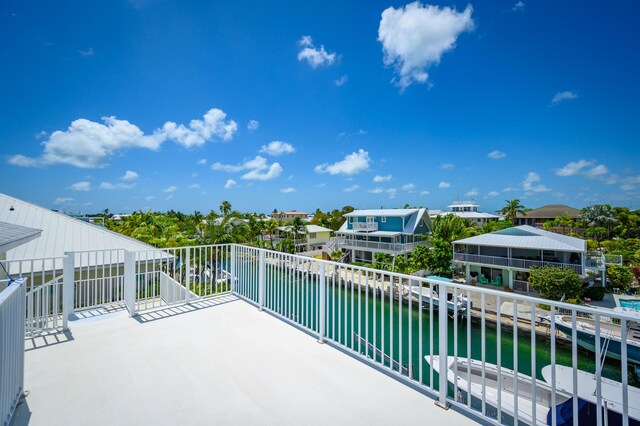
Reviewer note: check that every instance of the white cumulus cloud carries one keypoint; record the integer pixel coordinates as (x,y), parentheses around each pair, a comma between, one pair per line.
(288,190)
(447,166)
(471,193)
(496,155)
(257,169)
(89,144)
(352,164)
(253,125)
(391,192)
(415,37)
(129,176)
(63,200)
(562,96)
(81,186)
(518,7)
(444,185)
(529,183)
(573,168)
(380,179)
(116,186)
(409,187)
(202,161)
(352,188)
(316,57)
(493,194)
(230,184)
(425,192)
(171,189)
(341,81)
(276,148)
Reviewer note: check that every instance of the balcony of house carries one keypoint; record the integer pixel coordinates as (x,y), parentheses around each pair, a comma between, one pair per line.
(364,226)
(516,258)
(230,334)
(392,243)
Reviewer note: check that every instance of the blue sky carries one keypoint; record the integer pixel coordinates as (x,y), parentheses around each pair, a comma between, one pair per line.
(180,105)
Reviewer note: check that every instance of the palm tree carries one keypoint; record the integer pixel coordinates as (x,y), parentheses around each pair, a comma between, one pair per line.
(229,229)
(599,216)
(287,245)
(298,227)
(513,209)
(225,208)
(270,228)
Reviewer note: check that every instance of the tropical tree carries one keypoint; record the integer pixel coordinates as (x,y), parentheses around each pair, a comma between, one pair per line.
(495,225)
(298,228)
(597,233)
(439,259)
(226,230)
(270,228)
(512,209)
(600,216)
(451,227)
(556,283)
(225,208)
(336,255)
(286,245)
(620,277)
(563,221)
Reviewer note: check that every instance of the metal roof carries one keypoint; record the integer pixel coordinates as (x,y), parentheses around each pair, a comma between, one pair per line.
(12,236)
(310,228)
(527,237)
(382,212)
(60,233)
(370,234)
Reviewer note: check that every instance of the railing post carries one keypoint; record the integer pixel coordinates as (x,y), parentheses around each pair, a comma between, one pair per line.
(262,282)
(130,282)
(233,269)
(68,287)
(187,274)
(321,303)
(443,322)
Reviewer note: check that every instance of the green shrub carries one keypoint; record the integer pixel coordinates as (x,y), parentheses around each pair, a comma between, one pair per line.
(556,282)
(619,277)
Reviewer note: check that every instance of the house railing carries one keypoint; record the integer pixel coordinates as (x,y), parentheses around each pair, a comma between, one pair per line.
(12,333)
(348,243)
(364,226)
(522,286)
(511,262)
(410,327)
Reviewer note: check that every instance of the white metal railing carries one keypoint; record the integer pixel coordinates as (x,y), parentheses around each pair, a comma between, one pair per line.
(521,286)
(413,328)
(396,322)
(12,329)
(511,262)
(348,243)
(364,226)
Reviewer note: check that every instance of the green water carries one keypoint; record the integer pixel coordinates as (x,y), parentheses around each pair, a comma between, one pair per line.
(403,331)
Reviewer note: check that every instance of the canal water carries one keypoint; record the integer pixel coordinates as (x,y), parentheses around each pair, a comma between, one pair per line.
(376,320)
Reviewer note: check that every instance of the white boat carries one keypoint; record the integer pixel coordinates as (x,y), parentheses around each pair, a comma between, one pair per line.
(610,390)
(431,294)
(458,371)
(610,336)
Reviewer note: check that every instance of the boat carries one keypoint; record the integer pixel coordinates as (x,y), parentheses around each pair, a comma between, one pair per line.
(610,336)
(431,294)
(459,370)
(610,391)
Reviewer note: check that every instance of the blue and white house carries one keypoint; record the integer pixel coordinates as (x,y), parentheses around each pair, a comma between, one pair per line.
(390,231)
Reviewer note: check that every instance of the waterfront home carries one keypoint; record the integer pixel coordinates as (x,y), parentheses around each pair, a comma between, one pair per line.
(314,238)
(390,231)
(288,217)
(466,210)
(505,257)
(537,217)
(12,236)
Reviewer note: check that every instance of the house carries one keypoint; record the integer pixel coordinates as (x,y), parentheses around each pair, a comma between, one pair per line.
(314,238)
(537,217)
(505,257)
(466,210)
(389,231)
(60,233)
(288,217)
(12,236)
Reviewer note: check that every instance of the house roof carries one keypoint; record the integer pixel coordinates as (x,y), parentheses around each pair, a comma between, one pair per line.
(464,215)
(382,212)
(294,213)
(550,211)
(60,233)
(370,234)
(12,236)
(310,228)
(527,237)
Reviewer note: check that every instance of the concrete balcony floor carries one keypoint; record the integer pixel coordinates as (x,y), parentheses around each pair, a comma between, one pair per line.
(215,362)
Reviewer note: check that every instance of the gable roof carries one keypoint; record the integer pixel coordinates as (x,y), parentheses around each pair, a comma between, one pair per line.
(550,211)
(382,212)
(60,233)
(527,237)
(12,236)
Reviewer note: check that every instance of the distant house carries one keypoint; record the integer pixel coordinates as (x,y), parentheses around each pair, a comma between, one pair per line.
(390,231)
(505,257)
(466,210)
(314,238)
(537,217)
(287,217)
(12,236)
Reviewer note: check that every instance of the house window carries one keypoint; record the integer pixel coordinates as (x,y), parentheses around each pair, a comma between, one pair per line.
(370,219)
(312,235)
(383,219)
(350,219)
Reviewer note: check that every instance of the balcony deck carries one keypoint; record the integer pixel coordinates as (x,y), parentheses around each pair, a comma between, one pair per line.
(219,361)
